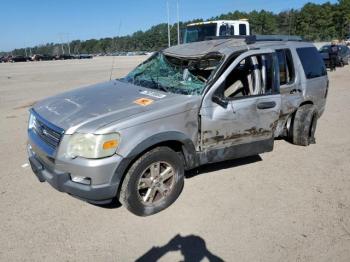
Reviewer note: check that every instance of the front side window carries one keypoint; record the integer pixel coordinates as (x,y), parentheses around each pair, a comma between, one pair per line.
(175,75)
(254,75)
(312,62)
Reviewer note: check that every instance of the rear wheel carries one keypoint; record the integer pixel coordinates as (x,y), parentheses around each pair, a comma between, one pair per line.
(153,182)
(303,128)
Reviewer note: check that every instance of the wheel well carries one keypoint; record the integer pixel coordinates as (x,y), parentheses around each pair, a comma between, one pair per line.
(177,146)
(290,119)
(306,103)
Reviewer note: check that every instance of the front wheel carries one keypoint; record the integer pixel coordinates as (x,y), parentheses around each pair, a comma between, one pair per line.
(153,182)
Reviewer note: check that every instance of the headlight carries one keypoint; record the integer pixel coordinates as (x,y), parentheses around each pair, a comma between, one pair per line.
(92,146)
(31,121)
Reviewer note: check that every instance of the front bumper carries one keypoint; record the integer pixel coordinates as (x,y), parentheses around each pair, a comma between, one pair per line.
(61,180)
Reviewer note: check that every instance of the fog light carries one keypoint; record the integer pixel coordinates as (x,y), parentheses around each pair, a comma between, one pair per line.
(82,180)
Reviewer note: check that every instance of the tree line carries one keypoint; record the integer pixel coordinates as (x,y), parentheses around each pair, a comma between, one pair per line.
(316,22)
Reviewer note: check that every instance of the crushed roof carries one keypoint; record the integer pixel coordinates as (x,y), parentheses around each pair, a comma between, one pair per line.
(200,49)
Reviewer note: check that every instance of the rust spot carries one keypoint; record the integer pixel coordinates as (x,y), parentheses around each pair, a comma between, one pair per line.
(237,136)
(274,125)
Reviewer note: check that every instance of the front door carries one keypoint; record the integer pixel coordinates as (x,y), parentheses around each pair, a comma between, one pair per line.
(240,112)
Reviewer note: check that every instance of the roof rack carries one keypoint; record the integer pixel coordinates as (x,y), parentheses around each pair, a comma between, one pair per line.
(257,38)
(251,39)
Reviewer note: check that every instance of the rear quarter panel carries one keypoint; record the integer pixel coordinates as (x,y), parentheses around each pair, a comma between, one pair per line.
(315,89)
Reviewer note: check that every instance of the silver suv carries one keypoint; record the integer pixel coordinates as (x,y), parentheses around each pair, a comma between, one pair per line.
(132,139)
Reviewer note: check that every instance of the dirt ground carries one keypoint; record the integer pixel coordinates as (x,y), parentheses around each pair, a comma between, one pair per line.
(289,205)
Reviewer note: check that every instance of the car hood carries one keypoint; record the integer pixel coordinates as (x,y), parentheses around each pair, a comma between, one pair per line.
(98,105)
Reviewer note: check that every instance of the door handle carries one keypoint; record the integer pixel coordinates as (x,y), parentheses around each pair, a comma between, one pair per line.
(294,91)
(266,105)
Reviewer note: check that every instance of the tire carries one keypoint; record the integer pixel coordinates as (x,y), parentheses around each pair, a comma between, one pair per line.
(303,128)
(347,61)
(153,195)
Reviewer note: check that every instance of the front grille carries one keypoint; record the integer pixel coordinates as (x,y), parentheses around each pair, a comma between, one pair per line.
(49,135)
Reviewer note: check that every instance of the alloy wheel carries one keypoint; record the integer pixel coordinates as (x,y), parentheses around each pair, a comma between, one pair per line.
(156,182)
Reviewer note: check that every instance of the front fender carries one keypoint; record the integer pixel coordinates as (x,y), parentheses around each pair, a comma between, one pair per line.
(188,150)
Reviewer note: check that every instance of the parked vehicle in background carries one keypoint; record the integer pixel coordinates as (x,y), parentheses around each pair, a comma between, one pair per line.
(189,105)
(5,59)
(38,57)
(83,56)
(204,30)
(347,41)
(14,59)
(343,55)
(63,57)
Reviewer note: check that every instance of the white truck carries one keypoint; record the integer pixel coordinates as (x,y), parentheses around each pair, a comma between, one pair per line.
(205,30)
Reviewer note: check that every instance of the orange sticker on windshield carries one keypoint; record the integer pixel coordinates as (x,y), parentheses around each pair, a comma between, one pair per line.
(143,101)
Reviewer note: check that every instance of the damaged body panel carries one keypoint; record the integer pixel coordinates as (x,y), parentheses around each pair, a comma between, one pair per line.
(186,106)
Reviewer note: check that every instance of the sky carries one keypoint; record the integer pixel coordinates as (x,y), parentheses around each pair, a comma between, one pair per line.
(25,23)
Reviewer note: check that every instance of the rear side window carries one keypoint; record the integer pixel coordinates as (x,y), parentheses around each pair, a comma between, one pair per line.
(312,62)
(286,67)
(242,29)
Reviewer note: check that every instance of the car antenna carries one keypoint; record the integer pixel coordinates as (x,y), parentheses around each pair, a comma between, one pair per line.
(114,45)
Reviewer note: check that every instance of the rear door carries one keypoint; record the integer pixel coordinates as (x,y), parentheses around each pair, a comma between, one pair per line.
(290,86)
(243,107)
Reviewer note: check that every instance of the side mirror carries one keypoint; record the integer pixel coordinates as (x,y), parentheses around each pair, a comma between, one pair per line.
(220,101)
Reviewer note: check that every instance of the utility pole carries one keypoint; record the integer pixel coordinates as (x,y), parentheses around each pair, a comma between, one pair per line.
(178,23)
(168,10)
(25,49)
(61,40)
(290,23)
(68,44)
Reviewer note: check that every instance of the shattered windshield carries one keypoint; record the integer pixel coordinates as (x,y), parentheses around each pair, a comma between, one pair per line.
(175,75)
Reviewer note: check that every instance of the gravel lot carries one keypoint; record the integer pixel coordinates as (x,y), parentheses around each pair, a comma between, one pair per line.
(289,205)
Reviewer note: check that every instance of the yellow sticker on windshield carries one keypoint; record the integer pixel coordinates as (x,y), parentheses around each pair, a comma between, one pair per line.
(144,101)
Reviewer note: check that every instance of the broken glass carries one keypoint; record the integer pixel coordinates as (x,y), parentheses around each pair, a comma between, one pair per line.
(171,74)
